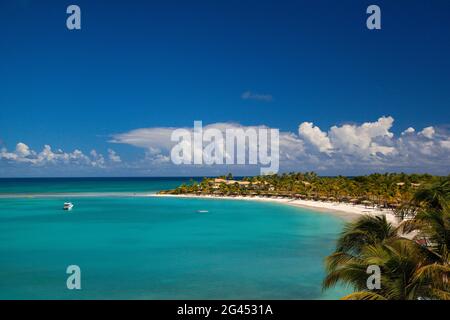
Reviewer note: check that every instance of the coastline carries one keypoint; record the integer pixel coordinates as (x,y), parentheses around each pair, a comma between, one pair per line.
(343,210)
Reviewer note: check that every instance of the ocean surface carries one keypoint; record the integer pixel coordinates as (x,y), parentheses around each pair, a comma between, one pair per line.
(130,246)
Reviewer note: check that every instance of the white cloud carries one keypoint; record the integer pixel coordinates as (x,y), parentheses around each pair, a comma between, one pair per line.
(23,154)
(113,156)
(366,140)
(445,144)
(156,139)
(22,150)
(315,136)
(157,159)
(4,154)
(408,131)
(97,160)
(428,132)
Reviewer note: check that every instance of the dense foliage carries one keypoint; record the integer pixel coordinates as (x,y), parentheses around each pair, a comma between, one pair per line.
(384,190)
(413,257)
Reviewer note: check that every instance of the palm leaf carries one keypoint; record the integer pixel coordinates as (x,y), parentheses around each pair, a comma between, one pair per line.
(364,295)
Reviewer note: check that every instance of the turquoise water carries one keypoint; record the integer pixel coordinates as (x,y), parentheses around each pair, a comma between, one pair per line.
(159,248)
(68,185)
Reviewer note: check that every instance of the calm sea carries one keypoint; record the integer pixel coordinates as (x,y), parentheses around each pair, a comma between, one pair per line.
(134,247)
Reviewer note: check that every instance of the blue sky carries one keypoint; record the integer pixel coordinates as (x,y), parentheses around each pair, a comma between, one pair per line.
(139,64)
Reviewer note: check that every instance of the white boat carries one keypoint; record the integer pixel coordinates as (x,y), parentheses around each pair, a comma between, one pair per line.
(202,211)
(68,206)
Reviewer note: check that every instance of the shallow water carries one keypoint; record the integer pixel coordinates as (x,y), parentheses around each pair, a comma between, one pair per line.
(163,248)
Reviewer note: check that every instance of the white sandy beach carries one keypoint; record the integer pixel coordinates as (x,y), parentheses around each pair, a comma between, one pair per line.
(345,210)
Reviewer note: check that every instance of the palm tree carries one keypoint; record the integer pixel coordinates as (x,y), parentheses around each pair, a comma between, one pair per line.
(381,189)
(431,219)
(356,236)
(407,273)
(410,269)
(368,230)
(434,228)
(435,196)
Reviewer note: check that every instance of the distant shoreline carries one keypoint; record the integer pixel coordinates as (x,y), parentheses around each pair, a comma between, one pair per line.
(106,194)
(343,210)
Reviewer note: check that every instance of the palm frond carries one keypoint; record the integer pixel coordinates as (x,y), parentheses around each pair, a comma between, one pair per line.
(364,295)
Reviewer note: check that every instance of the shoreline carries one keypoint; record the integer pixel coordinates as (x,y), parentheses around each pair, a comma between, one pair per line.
(343,210)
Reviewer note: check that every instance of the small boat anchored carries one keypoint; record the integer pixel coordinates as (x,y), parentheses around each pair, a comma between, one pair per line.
(68,206)
(202,211)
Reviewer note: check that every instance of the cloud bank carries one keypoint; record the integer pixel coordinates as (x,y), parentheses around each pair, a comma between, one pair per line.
(346,149)
(48,157)
(341,149)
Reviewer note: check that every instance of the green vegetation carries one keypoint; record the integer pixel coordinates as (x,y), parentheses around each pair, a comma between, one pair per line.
(413,257)
(388,190)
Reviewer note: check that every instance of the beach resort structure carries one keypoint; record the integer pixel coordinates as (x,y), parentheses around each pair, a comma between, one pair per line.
(383,191)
